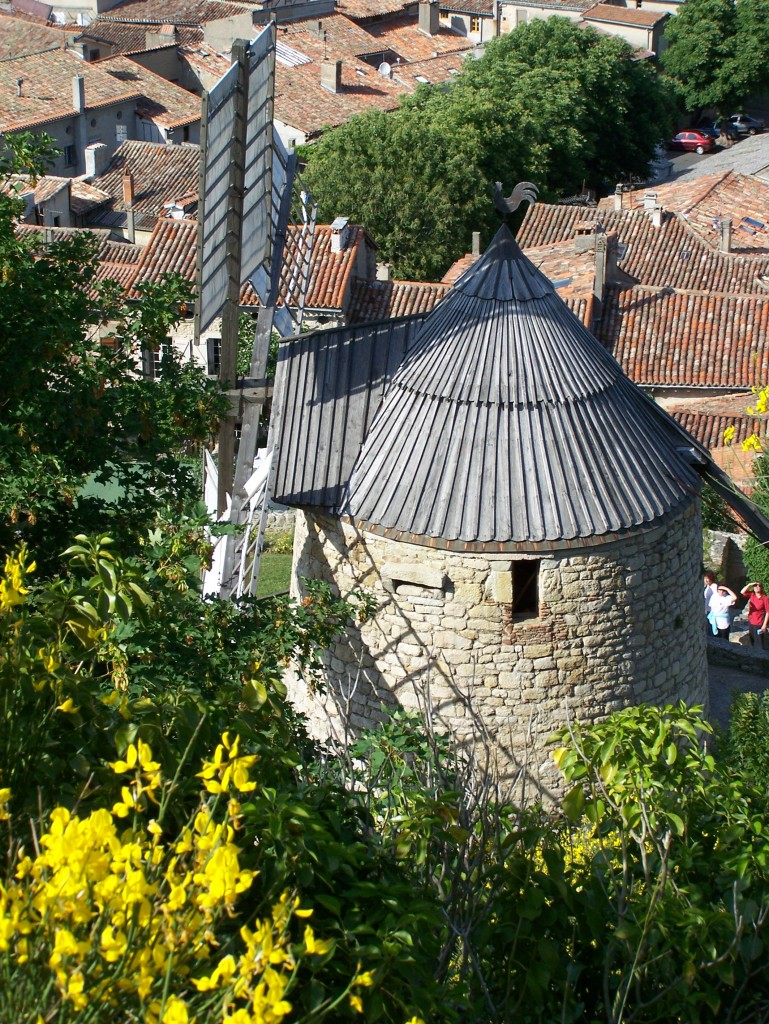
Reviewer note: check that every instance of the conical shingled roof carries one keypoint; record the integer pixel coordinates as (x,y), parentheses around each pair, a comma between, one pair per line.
(509,427)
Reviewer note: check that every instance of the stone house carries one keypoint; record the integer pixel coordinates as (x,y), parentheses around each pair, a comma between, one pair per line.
(526,519)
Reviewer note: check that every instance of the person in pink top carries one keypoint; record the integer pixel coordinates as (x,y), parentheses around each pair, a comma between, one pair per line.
(758,614)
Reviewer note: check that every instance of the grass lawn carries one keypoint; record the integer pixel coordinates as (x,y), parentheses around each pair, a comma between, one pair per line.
(274,574)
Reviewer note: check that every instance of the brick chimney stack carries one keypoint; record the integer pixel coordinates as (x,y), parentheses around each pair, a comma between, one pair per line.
(128,199)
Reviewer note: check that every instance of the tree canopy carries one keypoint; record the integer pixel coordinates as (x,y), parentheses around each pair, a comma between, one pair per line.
(533,107)
(73,408)
(718,52)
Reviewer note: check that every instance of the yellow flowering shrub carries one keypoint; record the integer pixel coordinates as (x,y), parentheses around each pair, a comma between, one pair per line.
(100,921)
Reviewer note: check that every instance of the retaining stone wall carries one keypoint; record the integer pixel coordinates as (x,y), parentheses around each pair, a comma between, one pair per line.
(618,625)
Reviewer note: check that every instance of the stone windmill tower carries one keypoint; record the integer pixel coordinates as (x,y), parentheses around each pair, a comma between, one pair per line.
(526,518)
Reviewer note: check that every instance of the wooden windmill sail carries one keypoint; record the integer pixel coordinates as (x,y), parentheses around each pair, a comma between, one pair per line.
(248,180)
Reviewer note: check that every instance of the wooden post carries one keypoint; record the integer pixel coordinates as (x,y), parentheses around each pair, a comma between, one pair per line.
(231,310)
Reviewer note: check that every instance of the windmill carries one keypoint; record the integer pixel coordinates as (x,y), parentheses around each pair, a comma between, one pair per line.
(248,181)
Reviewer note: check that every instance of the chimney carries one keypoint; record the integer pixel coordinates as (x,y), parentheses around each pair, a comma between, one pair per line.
(726,234)
(476,243)
(165,35)
(19,83)
(618,199)
(128,199)
(429,17)
(650,200)
(339,234)
(656,213)
(96,159)
(331,75)
(78,93)
(601,251)
(128,188)
(383,272)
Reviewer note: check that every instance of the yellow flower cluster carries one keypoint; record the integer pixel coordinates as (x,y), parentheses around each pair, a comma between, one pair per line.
(12,583)
(128,919)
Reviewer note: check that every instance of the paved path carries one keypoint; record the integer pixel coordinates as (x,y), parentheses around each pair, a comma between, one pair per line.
(723,684)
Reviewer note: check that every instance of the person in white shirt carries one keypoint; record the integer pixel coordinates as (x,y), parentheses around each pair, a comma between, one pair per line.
(718,617)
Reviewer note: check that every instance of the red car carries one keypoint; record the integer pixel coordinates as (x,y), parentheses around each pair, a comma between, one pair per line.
(693,140)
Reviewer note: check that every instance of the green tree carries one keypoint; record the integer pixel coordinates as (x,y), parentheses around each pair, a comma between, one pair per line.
(411,177)
(718,52)
(73,407)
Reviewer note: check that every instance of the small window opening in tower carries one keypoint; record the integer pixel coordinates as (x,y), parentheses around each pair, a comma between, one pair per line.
(526,587)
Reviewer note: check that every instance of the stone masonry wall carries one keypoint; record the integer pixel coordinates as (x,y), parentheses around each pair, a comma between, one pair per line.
(618,625)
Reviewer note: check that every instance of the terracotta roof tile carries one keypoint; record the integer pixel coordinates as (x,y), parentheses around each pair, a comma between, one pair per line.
(331,274)
(384,300)
(403,35)
(116,261)
(20,36)
(129,37)
(174,12)
(671,256)
(435,69)
(171,249)
(302,102)
(160,173)
(681,339)
(362,9)
(203,58)
(477,8)
(161,101)
(83,196)
(46,90)
(339,38)
(615,15)
(709,428)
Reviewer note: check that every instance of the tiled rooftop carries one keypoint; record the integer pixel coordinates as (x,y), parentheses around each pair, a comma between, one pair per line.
(476,8)
(403,36)
(83,196)
(384,300)
(553,5)
(201,57)
(116,261)
(301,101)
(129,37)
(161,101)
(46,89)
(20,36)
(615,15)
(362,9)
(174,12)
(671,256)
(681,339)
(331,274)
(172,248)
(161,174)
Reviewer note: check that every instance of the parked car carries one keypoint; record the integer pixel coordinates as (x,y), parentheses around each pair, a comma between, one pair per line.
(713,129)
(747,125)
(694,140)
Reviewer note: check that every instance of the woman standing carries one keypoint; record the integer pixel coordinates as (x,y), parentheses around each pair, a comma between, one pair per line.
(719,617)
(758,614)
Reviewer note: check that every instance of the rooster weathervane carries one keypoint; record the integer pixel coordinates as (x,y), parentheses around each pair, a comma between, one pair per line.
(524,190)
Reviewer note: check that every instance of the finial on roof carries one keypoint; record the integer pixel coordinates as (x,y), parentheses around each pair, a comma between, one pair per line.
(524,190)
